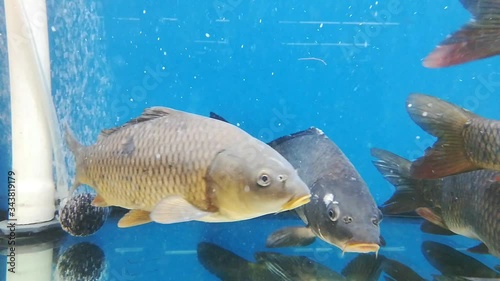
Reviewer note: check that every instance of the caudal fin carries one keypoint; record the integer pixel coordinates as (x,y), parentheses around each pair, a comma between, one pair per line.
(396,170)
(477,39)
(446,122)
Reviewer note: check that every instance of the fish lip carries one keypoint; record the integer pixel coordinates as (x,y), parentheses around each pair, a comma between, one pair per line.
(295,202)
(360,247)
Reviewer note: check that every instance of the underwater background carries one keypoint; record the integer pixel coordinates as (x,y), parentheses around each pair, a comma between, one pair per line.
(273,68)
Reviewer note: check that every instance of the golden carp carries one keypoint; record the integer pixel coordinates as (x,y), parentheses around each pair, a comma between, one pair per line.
(170,166)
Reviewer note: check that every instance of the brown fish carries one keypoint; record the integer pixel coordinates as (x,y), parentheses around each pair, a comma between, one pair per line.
(467,204)
(466,141)
(170,166)
(478,39)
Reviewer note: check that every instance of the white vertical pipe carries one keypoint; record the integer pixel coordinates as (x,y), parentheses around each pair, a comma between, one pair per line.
(31,143)
(32,266)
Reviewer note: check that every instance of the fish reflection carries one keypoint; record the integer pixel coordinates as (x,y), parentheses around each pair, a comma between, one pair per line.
(273,266)
(81,262)
(453,266)
(452,263)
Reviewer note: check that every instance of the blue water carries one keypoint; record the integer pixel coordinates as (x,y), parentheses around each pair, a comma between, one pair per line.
(251,62)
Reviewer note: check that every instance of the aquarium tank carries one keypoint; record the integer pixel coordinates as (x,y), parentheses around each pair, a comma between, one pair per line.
(250,140)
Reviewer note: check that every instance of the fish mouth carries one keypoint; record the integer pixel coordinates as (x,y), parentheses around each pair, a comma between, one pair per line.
(360,247)
(296,202)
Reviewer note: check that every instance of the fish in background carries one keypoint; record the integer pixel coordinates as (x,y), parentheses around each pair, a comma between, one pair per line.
(466,141)
(452,263)
(170,166)
(478,39)
(465,204)
(228,266)
(342,212)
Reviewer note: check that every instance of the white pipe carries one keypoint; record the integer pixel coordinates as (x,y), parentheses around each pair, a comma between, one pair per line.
(32,266)
(29,71)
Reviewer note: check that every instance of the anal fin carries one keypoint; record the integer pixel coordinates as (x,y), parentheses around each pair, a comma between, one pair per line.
(290,236)
(99,201)
(134,218)
(174,209)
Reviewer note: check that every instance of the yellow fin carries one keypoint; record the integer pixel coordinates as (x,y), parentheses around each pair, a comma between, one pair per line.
(174,209)
(445,121)
(99,201)
(134,218)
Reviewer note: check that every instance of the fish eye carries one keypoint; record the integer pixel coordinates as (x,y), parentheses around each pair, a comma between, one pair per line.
(375,221)
(333,212)
(264,180)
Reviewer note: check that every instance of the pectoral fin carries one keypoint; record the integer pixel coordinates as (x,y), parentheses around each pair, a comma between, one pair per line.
(431,216)
(174,209)
(134,218)
(290,236)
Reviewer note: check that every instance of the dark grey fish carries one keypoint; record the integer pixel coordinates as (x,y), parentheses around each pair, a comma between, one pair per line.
(467,204)
(342,211)
(451,262)
(274,266)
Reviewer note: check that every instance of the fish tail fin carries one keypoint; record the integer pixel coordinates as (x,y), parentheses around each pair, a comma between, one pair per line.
(475,40)
(446,122)
(222,263)
(75,147)
(396,170)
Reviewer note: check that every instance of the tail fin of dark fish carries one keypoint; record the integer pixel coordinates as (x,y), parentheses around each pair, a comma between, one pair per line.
(477,39)
(446,122)
(400,272)
(75,147)
(364,267)
(222,263)
(396,170)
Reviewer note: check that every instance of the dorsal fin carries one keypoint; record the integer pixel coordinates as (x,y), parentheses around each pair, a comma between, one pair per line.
(216,116)
(310,131)
(148,114)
